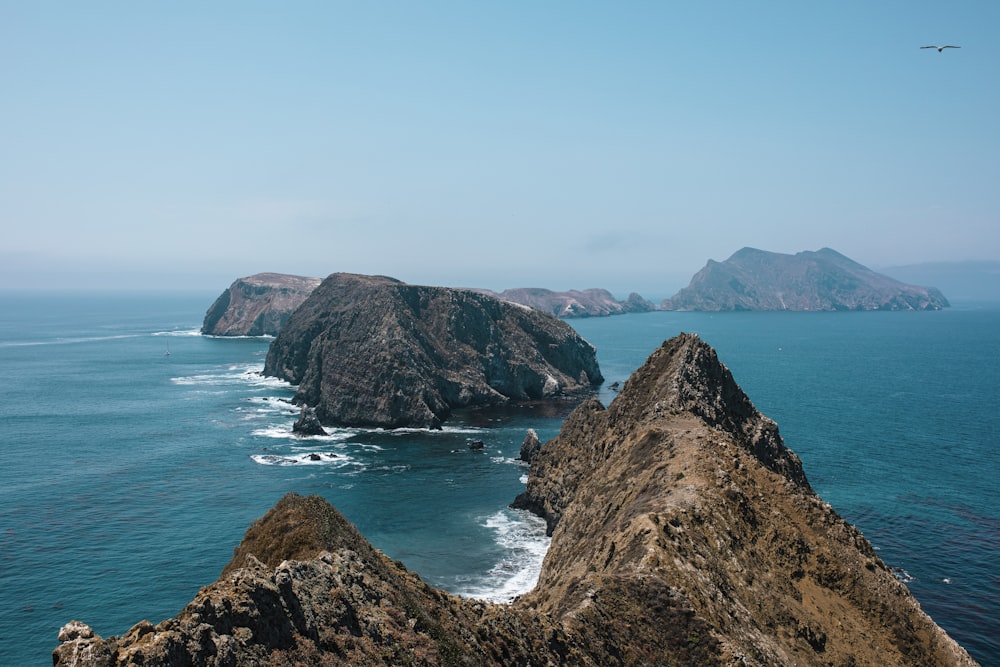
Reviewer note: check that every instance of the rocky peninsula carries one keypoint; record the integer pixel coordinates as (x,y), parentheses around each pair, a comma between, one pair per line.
(822,280)
(258,305)
(372,351)
(684,532)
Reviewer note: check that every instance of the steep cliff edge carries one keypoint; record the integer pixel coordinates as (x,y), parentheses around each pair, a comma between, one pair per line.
(258,305)
(823,280)
(373,351)
(683,532)
(682,486)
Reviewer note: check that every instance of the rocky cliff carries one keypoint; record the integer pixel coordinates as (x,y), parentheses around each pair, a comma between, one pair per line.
(683,532)
(823,280)
(373,351)
(258,305)
(574,303)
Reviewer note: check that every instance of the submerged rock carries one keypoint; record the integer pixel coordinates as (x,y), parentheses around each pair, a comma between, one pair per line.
(375,352)
(683,532)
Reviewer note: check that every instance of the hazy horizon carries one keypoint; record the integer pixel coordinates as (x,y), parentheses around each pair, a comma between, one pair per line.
(494,145)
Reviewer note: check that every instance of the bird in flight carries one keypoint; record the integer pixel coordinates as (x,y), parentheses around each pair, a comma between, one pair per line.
(941,48)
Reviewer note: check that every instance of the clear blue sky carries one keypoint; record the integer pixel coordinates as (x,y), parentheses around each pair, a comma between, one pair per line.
(490,144)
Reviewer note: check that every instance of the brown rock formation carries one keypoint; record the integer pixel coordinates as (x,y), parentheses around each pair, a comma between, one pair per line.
(373,351)
(258,305)
(684,532)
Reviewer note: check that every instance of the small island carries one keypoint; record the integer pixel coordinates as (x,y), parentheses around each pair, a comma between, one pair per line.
(372,351)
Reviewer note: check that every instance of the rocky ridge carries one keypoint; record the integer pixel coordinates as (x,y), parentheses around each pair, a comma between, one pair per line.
(823,280)
(683,532)
(372,351)
(258,305)
(574,303)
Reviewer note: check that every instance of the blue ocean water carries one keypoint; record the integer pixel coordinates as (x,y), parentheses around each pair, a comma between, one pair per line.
(129,474)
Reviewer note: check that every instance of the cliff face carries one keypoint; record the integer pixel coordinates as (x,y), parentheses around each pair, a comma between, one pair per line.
(372,351)
(574,303)
(823,280)
(258,305)
(684,532)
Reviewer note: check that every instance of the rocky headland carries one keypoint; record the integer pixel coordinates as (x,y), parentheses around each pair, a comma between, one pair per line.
(258,305)
(372,351)
(683,532)
(574,303)
(822,280)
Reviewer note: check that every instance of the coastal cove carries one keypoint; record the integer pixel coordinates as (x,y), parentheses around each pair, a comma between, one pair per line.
(130,473)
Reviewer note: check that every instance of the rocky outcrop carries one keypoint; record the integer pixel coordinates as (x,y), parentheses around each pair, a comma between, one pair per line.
(258,305)
(574,303)
(823,280)
(530,446)
(683,532)
(308,423)
(372,351)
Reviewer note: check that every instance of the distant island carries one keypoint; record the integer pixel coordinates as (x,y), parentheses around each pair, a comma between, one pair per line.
(823,280)
(258,305)
(574,303)
(751,279)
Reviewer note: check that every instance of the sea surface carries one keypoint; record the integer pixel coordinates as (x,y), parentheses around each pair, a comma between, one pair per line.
(134,453)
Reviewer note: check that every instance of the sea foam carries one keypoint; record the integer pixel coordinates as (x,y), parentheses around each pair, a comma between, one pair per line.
(523,542)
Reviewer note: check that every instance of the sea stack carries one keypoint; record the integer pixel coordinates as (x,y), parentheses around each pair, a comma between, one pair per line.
(683,532)
(372,351)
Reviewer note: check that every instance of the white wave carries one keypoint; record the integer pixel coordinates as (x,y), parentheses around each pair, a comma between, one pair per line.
(279,431)
(247,374)
(261,337)
(332,435)
(445,430)
(271,405)
(178,332)
(304,459)
(68,341)
(521,536)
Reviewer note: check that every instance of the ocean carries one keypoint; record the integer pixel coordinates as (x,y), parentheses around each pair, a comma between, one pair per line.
(135,453)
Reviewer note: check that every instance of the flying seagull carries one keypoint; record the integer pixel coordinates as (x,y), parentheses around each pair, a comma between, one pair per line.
(941,48)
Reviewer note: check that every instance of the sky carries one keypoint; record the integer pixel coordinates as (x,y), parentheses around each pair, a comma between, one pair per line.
(567,145)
